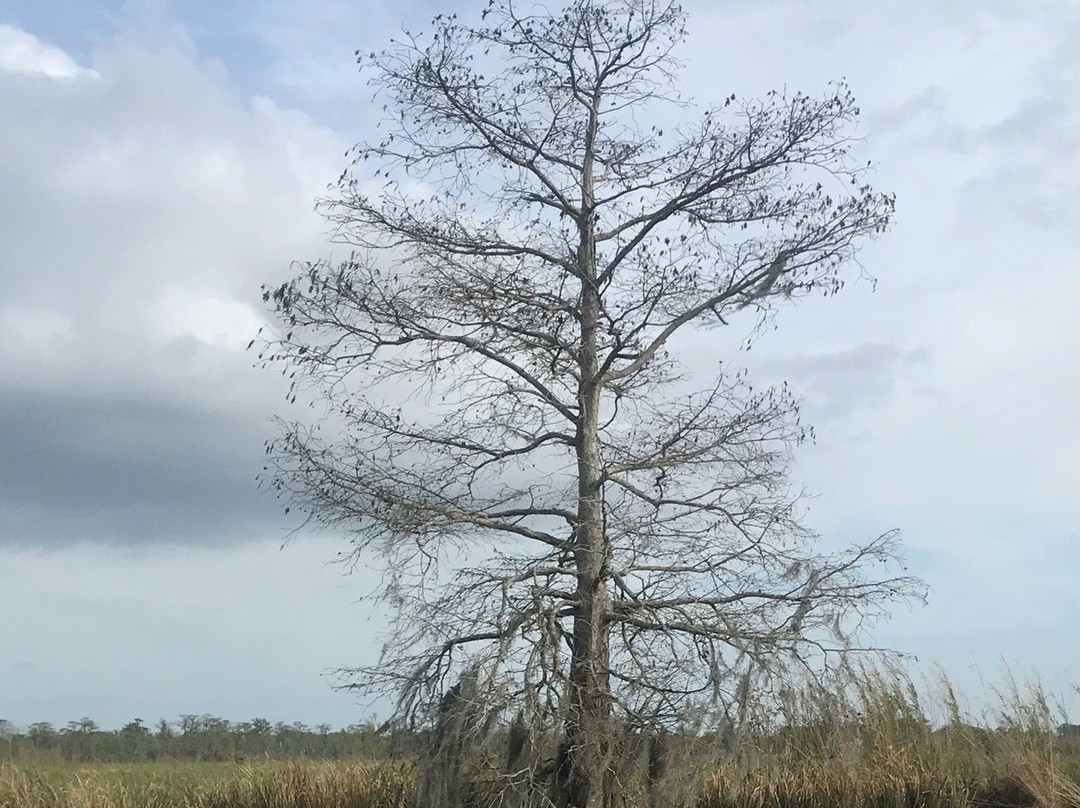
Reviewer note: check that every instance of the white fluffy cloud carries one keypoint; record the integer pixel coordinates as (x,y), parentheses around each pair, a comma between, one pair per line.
(22,52)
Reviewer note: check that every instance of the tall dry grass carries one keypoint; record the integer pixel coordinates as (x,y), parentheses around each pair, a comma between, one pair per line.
(871,740)
(295,784)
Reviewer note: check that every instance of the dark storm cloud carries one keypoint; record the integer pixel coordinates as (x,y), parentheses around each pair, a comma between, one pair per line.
(142,204)
(128,470)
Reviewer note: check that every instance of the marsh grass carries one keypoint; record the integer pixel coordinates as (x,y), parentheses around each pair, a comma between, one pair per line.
(293,784)
(872,740)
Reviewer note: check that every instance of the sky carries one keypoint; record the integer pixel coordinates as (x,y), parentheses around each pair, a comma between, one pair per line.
(159,160)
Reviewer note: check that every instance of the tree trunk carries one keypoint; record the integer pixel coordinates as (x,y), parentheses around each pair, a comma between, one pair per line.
(589,723)
(589,729)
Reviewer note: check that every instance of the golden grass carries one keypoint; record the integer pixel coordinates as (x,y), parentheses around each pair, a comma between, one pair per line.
(858,776)
(294,784)
(874,744)
(868,743)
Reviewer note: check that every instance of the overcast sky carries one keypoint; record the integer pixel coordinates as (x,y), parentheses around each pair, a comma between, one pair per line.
(158,162)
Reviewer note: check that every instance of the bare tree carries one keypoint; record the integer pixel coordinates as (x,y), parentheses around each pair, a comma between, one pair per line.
(565,522)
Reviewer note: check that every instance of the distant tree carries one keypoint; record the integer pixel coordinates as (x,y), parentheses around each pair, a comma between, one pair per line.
(205,738)
(137,742)
(135,728)
(164,730)
(81,740)
(84,726)
(567,530)
(9,735)
(42,734)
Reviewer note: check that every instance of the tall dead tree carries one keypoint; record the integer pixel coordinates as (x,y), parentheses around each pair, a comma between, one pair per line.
(561,515)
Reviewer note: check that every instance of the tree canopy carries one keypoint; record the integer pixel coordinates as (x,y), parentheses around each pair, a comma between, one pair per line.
(574,530)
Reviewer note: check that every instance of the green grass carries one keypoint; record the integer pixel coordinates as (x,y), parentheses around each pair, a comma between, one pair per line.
(293,784)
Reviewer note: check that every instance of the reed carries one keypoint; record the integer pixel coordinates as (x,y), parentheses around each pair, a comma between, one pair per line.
(870,740)
(873,741)
(293,784)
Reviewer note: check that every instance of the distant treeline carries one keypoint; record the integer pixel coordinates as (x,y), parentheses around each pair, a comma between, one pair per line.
(208,738)
(194,737)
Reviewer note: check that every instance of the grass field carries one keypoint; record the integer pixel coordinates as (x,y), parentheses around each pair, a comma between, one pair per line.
(893,777)
(875,745)
(292,784)
(947,772)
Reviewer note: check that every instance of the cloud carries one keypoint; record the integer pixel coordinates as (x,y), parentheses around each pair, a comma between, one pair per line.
(835,384)
(928,102)
(142,210)
(141,213)
(121,469)
(23,53)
